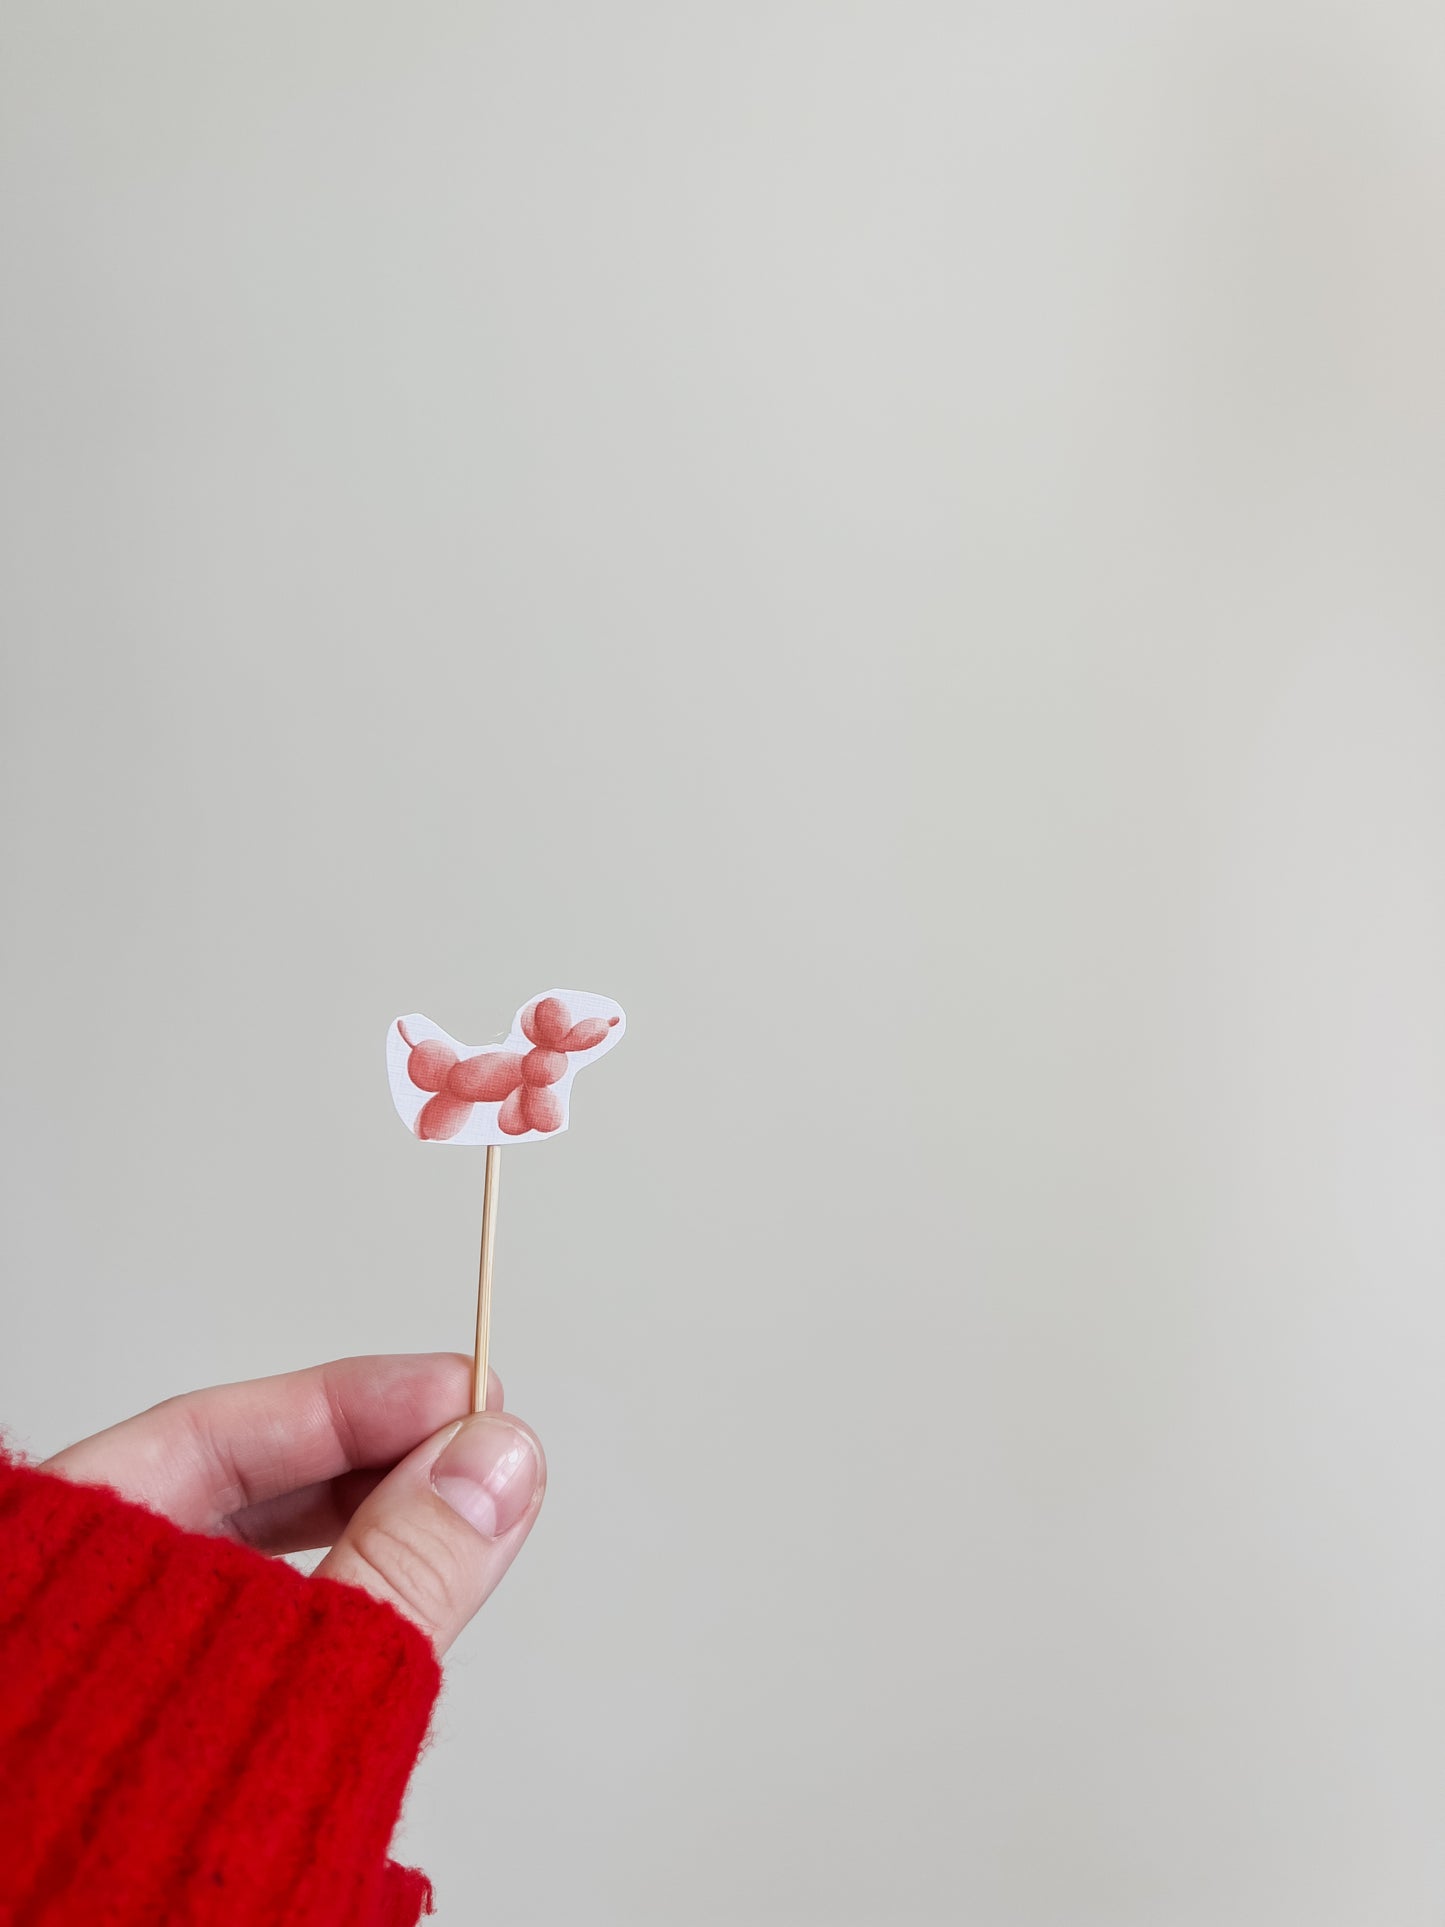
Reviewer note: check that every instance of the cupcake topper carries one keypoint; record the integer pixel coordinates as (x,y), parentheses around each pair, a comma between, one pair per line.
(517,1091)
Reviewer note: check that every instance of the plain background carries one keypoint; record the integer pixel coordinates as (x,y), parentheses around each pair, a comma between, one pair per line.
(901,541)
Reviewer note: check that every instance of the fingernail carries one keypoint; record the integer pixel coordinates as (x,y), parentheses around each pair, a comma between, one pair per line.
(488,1473)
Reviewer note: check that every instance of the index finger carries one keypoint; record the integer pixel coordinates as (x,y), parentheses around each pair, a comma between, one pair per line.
(202,1456)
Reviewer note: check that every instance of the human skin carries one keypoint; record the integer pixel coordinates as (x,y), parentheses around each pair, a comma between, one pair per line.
(420,1504)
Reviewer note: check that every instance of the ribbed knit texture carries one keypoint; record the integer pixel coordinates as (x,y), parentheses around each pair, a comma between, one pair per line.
(191,1733)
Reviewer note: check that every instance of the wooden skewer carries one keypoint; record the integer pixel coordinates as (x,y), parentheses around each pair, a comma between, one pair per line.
(491,1184)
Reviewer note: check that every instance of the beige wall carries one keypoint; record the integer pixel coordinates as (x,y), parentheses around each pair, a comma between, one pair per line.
(902,541)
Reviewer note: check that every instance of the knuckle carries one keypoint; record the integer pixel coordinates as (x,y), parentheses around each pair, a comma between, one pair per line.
(414,1561)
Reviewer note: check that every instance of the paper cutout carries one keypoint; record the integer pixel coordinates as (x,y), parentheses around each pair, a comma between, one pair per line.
(451,1093)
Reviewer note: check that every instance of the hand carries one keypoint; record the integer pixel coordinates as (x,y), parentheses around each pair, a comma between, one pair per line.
(367,1456)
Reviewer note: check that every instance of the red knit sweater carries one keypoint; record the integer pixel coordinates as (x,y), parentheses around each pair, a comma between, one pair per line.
(191,1733)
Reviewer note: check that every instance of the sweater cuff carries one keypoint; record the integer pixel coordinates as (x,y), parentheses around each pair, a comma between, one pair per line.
(190,1732)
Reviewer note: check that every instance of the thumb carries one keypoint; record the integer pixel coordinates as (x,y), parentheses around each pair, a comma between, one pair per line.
(436,1535)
